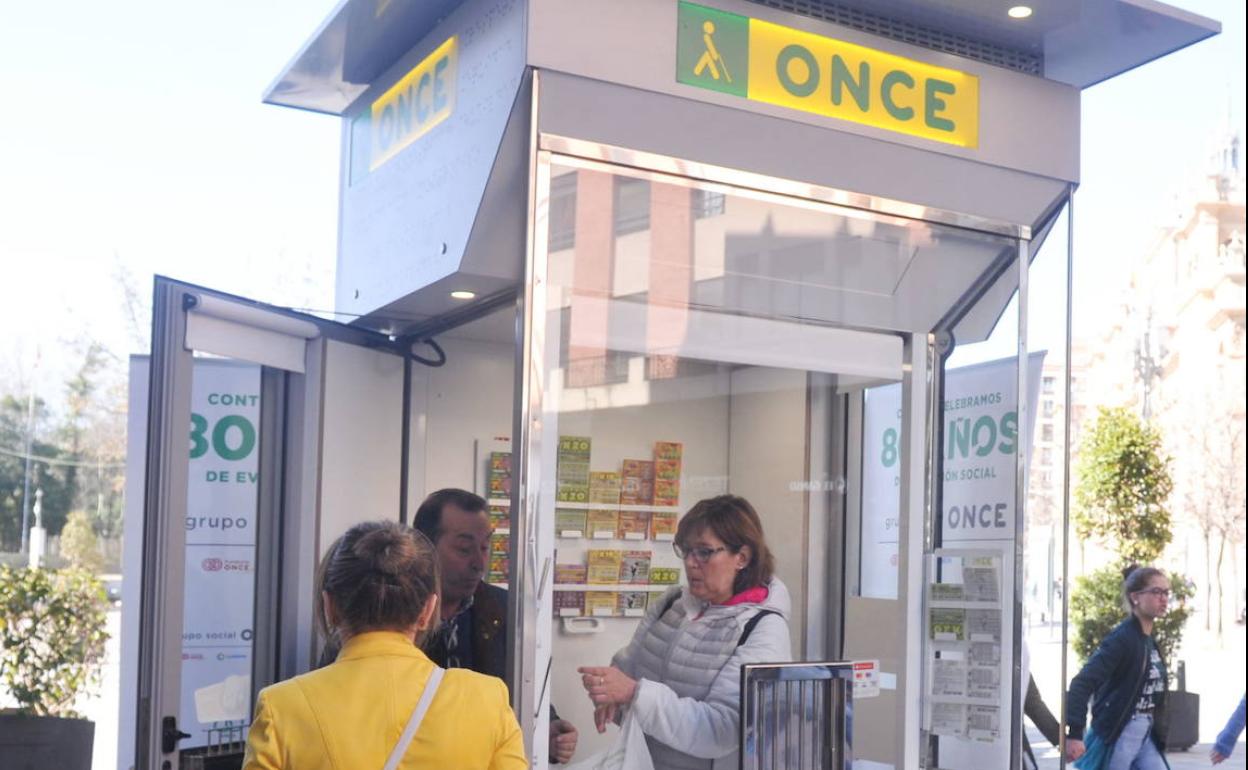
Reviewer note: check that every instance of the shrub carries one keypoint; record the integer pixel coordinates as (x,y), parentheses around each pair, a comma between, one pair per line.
(51,637)
(79,545)
(1096,607)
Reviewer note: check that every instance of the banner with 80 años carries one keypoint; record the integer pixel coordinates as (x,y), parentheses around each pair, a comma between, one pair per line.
(980,449)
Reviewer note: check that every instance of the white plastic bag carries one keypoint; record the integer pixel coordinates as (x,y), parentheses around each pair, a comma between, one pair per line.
(628,752)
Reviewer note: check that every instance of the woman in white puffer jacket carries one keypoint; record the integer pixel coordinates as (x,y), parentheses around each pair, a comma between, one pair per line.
(681,674)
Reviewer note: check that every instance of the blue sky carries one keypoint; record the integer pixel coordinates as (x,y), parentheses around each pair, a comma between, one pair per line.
(134,137)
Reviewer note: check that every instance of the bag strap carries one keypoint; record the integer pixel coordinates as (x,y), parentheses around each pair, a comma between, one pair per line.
(671,600)
(749,624)
(418,716)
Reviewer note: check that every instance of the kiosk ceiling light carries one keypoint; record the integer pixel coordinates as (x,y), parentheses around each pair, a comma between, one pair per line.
(1020,12)
(462,294)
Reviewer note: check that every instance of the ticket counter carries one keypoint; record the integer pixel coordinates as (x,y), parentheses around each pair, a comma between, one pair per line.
(608,259)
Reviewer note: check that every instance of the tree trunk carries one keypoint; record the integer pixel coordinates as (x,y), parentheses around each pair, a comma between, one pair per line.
(1208,581)
(1235,577)
(1218,572)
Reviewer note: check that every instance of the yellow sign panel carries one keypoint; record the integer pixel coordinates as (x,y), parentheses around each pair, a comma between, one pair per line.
(766,62)
(817,74)
(421,99)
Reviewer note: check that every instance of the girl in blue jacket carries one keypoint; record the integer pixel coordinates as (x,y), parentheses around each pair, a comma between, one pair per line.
(1126,681)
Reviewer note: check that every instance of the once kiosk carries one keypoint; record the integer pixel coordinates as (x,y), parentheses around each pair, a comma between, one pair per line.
(606,259)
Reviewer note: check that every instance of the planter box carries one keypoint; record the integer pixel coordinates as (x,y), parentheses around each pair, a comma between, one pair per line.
(38,743)
(1182,720)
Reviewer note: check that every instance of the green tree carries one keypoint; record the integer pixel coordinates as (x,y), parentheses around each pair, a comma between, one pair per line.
(1122,501)
(45,473)
(79,390)
(79,545)
(91,435)
(1124,485)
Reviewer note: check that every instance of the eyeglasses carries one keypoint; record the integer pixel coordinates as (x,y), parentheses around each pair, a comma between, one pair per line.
(701,555)
(1163,593)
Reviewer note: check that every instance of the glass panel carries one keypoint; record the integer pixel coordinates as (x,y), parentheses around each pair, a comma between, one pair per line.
(689,329)
(977,622)
(220,553)
(462,415)
(1044,536)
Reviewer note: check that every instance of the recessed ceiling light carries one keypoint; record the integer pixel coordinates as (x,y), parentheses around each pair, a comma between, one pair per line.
(463,294)
(1020,12)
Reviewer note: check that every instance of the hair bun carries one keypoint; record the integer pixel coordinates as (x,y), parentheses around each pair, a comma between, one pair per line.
(1127,570)
(380,576)
(386,550)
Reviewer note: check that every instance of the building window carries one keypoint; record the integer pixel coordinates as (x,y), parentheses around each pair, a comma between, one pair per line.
(1046,456)
(1048,407)
(707,204)
(562,212)
(632,205)
(1046,432)
(1049,384)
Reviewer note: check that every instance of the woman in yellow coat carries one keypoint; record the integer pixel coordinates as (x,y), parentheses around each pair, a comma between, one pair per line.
(380,593)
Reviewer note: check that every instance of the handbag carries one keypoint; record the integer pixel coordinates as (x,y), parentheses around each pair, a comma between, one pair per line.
(628,752)
(418,716)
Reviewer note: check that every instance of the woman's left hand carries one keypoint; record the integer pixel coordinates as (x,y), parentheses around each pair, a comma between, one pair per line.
(607,685)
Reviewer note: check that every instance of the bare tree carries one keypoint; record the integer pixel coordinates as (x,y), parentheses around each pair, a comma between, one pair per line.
(1212,491)
(136,306)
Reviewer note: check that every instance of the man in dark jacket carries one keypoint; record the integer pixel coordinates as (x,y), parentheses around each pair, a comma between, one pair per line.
(473,633)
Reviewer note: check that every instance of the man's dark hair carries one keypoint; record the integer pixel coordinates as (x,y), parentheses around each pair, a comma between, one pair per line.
(429,515)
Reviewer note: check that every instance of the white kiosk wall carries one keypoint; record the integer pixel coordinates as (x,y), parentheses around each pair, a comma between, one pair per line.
(767,446)
(362,409)
(464,409)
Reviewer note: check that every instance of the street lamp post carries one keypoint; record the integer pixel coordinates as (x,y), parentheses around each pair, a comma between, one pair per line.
(30,432)
(1147,365)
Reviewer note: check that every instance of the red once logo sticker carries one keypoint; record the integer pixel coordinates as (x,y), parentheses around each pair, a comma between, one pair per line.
(212,565)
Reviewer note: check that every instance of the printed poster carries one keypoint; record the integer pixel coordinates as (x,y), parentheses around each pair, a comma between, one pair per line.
(220,544)
(981,431)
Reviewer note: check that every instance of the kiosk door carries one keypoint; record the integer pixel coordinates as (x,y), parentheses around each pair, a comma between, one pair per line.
(295,427)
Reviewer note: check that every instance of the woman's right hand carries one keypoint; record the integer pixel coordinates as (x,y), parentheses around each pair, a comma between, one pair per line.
(1074,749)
(604,714)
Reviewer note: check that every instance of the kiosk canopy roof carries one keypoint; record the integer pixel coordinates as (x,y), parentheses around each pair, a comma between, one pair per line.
(1077,42)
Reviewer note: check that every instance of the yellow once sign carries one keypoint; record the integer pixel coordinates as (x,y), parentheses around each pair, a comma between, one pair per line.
(421,99)
(765,62)
(830,77)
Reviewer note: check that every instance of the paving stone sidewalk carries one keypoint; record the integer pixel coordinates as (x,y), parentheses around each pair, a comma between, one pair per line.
(1195,757)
